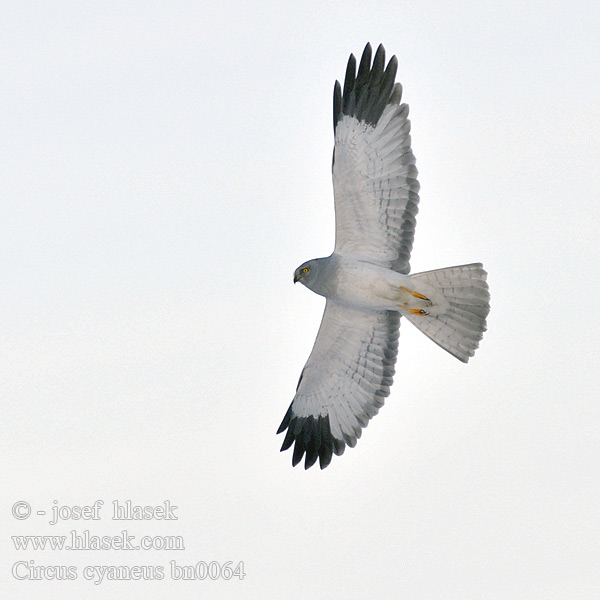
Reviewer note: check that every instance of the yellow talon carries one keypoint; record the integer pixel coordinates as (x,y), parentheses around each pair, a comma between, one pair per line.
(415,311)
(415,294)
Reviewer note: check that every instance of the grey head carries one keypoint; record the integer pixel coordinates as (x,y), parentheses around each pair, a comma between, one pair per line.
(314,275)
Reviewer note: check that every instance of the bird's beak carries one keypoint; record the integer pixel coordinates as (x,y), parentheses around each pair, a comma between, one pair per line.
(296,278)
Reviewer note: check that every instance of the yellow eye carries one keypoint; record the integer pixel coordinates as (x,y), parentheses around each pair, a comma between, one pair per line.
(305,270)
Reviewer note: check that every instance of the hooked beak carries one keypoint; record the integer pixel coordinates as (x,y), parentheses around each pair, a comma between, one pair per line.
(296,277)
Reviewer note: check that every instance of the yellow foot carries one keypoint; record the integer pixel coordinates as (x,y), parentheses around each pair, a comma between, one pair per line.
(415,294)
(416,311)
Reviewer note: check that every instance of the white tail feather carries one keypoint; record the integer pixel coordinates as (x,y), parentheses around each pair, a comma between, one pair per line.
(456,321)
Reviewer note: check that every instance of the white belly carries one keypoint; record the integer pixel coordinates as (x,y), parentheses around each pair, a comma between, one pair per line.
(370,286)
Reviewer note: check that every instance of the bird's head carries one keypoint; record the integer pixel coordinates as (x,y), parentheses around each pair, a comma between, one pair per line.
(305,272)
(314,275)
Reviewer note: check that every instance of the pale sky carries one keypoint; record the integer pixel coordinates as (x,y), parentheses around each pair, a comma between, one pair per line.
(166,166)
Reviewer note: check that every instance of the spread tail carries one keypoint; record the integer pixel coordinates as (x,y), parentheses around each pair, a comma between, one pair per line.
(460,304)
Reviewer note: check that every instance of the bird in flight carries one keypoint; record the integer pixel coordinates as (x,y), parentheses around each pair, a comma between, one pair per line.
(366,280)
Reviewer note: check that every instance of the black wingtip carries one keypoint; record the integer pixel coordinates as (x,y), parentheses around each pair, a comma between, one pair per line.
(350,75)
(286,421)
(298,454)
(337,103)
(312,439)
(365,93)
(364,67)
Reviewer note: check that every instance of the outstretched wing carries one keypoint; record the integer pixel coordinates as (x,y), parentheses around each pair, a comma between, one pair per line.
(374,173)
(343,384)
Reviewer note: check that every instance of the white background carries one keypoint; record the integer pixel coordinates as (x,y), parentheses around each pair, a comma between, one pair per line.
(166,166)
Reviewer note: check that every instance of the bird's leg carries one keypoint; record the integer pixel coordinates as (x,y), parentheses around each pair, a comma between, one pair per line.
(415,294)
(415,311)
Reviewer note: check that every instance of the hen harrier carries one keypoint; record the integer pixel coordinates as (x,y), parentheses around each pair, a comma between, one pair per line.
(365,281)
